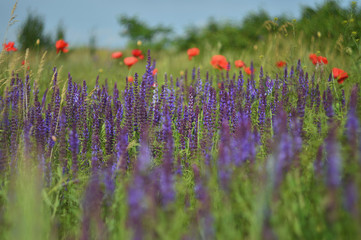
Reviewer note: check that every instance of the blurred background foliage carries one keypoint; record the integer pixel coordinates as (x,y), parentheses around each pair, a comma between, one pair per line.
(342,30)
(327,29)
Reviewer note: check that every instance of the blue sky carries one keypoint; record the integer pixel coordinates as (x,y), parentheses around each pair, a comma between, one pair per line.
(81,18)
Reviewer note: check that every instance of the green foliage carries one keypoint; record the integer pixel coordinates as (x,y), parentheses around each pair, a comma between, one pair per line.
(31,31)
(136,29)
(60,32)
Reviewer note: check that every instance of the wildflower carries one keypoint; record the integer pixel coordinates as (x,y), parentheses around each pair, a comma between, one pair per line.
(10,47)
(139,43)
(61,45)
(239,63)
(313,58)
(248,70)
(317,59)
(192,52)
(155,71)
(219,62)
(137,53)
(280,64)
(130,61)
(322,60)
(339,74)
(130,79)
(116,55)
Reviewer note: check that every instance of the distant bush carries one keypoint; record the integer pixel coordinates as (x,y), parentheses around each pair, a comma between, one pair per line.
(136,29)
(31,31)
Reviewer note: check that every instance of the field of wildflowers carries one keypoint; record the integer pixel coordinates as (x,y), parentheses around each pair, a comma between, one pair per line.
(222,148)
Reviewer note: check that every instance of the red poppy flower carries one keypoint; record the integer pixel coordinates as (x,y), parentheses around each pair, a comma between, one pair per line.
(248,71)
(141,57)
(219,62)
(339,74)
(192,52)
(136,52)
(10,47)
(318,59)
(116,55)
(61,45)
(313,56)
(280,64)
(130,79)
(321,59)
(130,61)
(155,71)
(239,63)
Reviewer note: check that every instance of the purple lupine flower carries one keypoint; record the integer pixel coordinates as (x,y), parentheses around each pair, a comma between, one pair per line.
(39,128)
(14,126)
(284,150)
(285,97)
(248,104)
(301,104)
(353,140)
(353,124)
(129,110)
(191,104)
(118,109)
(292,71)
(136,109)
(240,83)
(63,142)
(171,98)
(144,159)
(109,129)
(121,149)
(243,143)
(69,102)
(204,216)
(317,107)
(92,211)
(193,144)
(137,205)
(96,149)
(262,104)
(327,103)
(213,108)
(156,115)
(74,148)
(84,131)
(333,160)
(224,157)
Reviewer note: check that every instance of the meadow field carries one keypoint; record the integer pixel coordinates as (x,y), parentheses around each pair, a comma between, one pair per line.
(209,143)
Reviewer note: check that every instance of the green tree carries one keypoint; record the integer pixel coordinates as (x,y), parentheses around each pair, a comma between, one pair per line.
(136,29)
(32,30)
(60,31)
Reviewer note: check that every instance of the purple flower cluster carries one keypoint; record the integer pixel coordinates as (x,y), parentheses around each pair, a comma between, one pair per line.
(153,137)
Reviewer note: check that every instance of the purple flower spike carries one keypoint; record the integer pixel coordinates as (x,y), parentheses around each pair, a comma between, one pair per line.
(333,160)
